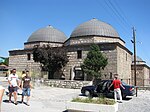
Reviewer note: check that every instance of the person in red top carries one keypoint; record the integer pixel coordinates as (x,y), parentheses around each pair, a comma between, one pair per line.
(117,84)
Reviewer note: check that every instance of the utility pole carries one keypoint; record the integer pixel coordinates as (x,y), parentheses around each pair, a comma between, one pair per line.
(134,44)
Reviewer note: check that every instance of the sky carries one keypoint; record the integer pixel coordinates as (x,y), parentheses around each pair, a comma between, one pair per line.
(20,18)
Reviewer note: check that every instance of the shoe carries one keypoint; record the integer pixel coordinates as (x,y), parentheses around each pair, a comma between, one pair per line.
(119,101)
(27,104)
(16,103)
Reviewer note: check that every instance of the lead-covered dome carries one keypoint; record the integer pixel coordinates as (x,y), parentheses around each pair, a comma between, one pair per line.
(48,34)
(94,27)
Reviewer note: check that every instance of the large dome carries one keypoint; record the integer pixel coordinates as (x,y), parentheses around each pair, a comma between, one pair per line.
(48,34)
(94,27)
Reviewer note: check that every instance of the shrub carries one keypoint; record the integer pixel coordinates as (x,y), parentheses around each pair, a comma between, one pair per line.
(94,100)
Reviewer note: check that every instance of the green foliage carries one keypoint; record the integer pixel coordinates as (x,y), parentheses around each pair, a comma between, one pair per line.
(52,59)
(95,101)
(94,62)
(6,61)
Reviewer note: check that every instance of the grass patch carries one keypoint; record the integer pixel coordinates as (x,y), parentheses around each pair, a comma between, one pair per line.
(94,100)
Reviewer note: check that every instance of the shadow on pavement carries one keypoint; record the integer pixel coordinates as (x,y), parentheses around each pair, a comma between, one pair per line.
(18,102)
(65,111)
(81,95)
(127,98)
(75,111)
(7,101)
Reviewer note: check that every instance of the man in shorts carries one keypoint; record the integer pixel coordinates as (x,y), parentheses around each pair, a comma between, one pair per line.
(26,87)
(13,85)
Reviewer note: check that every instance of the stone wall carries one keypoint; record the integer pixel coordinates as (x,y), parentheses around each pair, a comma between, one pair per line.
(79,40)
(111,67)
(108,39)
(18,60)
(32,44)
(73,61)
(66,83)
(139,75)
(109,51)
(119,57)
(124,60)
(93,39)
(146,76)
(142,75)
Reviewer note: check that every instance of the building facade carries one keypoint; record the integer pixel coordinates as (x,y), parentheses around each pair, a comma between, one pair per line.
(77,45)
(142,73)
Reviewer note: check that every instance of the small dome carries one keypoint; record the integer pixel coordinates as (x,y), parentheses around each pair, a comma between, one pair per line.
(48,34)
(138,59)
(94,27)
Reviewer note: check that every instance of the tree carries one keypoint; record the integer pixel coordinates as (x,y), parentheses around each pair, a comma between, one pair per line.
(94,62)
(5,61)
(52,59)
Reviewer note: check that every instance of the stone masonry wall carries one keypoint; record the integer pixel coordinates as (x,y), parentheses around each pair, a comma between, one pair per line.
(73,61)
(124,64)
(107,39)
(142,75)
(93,39)
(111,67)
(108,51)
(20,62)
(139,75)
(66,83)
(79,40)
(31,45)
(146,76)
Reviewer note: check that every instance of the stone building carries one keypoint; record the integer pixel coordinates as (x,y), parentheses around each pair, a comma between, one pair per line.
(23,59)
(78,44)
(142,72)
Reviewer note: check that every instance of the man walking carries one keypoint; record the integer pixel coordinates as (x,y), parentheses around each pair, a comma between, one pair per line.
(13,85)
(26,87)
(117,83)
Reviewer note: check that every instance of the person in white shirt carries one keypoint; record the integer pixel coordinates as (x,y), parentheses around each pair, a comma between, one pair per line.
(13,85)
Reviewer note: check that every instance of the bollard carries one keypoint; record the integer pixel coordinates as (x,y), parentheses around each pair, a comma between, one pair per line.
(136,91)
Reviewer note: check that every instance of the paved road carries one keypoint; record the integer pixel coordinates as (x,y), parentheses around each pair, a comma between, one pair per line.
(48,99)
(137,104)
(43,99)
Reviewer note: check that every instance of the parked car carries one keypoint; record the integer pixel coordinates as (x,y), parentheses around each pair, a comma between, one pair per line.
(102,88)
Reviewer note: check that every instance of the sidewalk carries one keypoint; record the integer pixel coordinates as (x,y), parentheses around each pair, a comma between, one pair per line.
(43,99)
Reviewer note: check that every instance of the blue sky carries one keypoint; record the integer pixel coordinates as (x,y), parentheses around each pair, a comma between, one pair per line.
(20,18)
